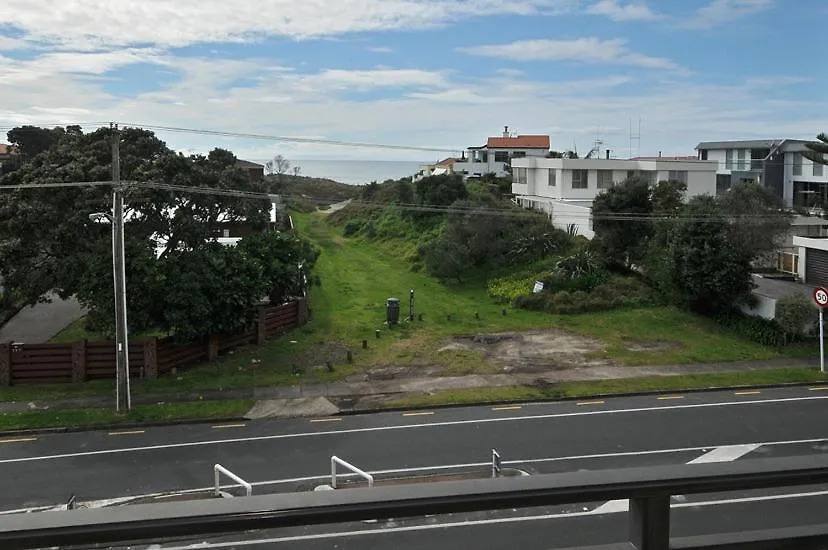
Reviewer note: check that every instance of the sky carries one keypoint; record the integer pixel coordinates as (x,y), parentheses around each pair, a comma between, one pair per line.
(437,74)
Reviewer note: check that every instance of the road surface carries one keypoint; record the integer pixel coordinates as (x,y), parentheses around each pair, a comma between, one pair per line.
(538,438)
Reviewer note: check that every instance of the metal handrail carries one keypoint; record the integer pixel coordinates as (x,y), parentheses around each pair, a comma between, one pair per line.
(648,488)
(219,469)
(336,460)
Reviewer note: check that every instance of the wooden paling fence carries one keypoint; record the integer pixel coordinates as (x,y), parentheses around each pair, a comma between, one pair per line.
(87,360)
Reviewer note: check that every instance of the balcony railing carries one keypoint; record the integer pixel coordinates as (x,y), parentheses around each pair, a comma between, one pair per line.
(649,490)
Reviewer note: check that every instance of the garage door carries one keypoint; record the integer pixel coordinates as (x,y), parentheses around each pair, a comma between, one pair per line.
(816,267)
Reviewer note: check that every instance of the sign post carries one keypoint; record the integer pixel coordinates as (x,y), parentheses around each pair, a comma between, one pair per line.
(821,300)
(496,464)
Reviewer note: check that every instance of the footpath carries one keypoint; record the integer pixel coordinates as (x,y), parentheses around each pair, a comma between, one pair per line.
(362,394)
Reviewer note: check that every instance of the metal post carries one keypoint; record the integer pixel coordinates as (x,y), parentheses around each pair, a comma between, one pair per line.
(123,401)
(821,342)
(411,305)
(650,523)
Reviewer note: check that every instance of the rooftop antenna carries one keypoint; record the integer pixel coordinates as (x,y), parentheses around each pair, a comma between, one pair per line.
(635,137)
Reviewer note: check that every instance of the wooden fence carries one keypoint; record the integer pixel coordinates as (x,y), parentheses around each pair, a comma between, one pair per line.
(86,360)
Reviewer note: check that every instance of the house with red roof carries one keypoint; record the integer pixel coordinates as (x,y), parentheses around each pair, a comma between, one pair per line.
(495,157)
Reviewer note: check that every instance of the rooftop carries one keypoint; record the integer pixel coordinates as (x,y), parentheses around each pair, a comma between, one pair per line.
(746,143)
(248,164)
(6,149)
(684,158)
(535,141)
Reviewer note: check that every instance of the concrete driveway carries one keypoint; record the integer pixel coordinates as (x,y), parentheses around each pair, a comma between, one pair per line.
(37,324)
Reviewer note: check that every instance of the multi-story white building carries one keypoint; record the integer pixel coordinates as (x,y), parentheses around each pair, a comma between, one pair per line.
(496,156)
(565,188)
(778,164)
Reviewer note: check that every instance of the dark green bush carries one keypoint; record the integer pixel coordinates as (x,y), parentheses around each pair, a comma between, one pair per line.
(759,330)
(352,227)
(613,293)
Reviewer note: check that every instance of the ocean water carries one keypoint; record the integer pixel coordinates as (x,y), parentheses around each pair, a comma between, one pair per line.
(356,172)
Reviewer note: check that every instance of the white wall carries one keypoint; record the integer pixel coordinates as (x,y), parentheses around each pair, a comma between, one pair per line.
(765,307)
(564,214)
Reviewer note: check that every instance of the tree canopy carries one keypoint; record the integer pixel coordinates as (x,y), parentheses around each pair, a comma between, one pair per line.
(818,150)
(178,277)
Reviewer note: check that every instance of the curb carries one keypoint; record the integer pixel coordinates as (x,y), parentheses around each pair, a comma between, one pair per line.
(101,427)
(355,412)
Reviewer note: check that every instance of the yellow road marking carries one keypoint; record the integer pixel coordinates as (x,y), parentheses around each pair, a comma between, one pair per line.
(507,408)
(752,392)
(818,388)
(671,397)
(132,432)
(18,440)
(220,426)
(424,413)
(325,419)
(598,402)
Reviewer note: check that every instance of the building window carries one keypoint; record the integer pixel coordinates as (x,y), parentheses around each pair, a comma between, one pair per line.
(225,233)
(501,156)
(722,183)
(818,168)
(729,159)
(521,176)
(678,175)
(704,154)
(604,179)
(518,154)
(632,174)
(553,177)
(649,176)
(579,179)
(740,165)
(797,164)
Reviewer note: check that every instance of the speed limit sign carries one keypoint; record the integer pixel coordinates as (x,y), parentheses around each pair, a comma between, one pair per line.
(821,296)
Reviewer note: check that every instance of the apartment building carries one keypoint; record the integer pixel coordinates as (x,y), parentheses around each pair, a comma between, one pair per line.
(565,188)
(778,164)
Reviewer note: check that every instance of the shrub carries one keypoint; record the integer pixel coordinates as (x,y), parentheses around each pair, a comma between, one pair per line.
(506,289)
(352,227)
(757,329)
(614,293)
(794,314)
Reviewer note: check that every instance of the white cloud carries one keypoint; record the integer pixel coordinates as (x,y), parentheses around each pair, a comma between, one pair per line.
(12,70)
(376,78)
(633,11)
(84,23)
(592,50)
(8,44)
(380,49)
(718,12)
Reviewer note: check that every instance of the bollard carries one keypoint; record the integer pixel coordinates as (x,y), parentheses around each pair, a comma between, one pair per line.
(350,357)
(365,344)
(329,365)
(377,333)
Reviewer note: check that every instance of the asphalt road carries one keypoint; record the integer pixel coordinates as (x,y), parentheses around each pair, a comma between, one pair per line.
(538,438)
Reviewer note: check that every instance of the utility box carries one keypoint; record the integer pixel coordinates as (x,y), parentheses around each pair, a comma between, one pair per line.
(392,311)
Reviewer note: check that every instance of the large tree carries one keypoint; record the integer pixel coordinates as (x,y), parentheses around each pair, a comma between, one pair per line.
(48,243)
(758,219)
(700,265)
(621,221)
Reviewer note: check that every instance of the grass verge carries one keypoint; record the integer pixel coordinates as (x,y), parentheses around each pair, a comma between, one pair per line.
(610,387)
(90,418)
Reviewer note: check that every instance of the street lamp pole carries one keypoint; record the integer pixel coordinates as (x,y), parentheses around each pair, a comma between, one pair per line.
(123,400)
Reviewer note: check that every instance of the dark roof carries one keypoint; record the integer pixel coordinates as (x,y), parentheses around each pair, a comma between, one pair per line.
(745,143)
(775,288)
(247,164)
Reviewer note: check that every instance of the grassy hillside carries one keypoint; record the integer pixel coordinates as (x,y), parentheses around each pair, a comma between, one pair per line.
(320,190)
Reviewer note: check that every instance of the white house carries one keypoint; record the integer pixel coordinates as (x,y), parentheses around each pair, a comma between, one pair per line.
(496,156)
(445,166)
(565,188)
(777,164)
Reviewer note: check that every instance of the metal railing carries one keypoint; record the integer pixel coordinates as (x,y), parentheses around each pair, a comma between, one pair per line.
(219,469)
(336,460)
(649,490)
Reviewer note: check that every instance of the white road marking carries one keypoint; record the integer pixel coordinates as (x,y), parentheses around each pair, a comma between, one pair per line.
(727,453)
(409,427)
(515,463)
(471,523)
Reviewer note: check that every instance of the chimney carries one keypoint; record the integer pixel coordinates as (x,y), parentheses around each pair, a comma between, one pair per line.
(505,131)
(608,152)
(659,154)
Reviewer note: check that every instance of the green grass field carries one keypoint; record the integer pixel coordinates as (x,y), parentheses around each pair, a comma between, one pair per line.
(358,276)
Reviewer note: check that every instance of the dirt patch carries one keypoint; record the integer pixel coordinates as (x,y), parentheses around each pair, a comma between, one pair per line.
(652,345)
(533,351)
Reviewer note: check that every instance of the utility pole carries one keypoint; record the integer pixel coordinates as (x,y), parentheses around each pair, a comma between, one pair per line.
(122,395)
